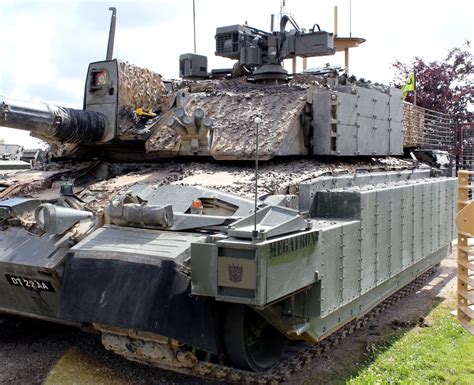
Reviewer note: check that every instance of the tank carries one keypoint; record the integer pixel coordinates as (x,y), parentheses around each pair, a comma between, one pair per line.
(221,226)
(16,157)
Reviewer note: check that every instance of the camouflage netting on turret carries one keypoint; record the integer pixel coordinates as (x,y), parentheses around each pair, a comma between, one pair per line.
(139,87)
(413,125)
(233,107)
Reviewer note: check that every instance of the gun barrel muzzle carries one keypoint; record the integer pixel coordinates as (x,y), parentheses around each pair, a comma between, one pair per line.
(52,123)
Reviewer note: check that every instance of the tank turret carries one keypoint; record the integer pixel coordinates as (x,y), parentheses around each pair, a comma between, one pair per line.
(129,113)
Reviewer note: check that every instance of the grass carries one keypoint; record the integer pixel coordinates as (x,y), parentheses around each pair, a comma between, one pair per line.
(439,354)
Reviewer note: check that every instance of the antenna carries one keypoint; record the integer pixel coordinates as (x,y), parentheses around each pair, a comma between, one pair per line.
(257,122)
(110,45)
(350,18)
(194,24)
(282,8)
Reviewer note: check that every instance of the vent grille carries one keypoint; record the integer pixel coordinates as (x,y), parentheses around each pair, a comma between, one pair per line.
(227,43)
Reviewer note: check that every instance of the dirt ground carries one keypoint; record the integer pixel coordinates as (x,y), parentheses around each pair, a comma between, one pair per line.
(35,352)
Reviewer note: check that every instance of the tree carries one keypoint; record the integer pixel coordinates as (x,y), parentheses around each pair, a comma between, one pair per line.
(446,86)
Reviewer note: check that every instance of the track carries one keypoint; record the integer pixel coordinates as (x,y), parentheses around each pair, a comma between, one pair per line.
(296,355)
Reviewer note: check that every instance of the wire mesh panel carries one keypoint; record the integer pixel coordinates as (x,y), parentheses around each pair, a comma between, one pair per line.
(466,156)
(439,132)
(428,130)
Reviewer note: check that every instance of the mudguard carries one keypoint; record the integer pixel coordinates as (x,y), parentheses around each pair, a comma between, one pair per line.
(154,298)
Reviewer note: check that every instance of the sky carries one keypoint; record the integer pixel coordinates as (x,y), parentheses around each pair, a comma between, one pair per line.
(47,45)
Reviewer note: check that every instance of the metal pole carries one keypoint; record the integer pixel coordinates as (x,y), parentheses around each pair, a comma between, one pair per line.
(346,59)
(257,123)
(110,45)
(350,18)
(458,145)
(414,85)
(194,25)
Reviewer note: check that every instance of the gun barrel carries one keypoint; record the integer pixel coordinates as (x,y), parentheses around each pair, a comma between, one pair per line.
(53,123)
